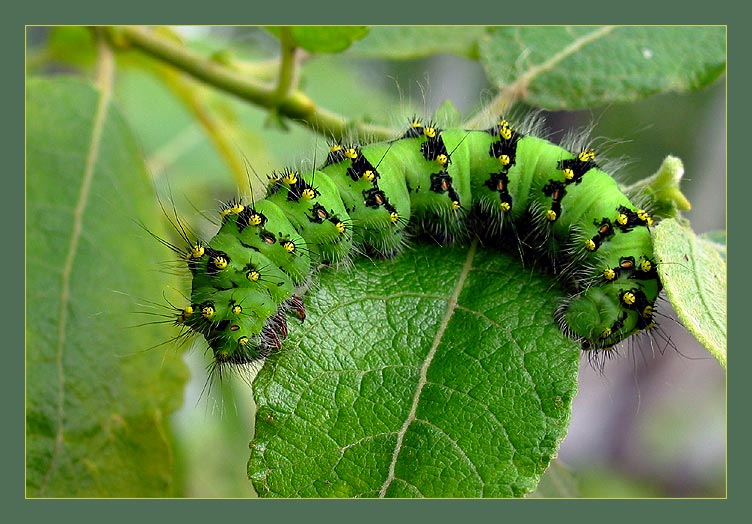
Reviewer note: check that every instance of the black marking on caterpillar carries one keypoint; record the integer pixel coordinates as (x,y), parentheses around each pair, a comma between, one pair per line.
(366,197)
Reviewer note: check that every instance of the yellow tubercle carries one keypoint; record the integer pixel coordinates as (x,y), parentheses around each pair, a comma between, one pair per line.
(505,131)
(234,209)
(647,312)
(645,217)
(197,251)
(183,316)
(628,298)
(586,156)
(207,312)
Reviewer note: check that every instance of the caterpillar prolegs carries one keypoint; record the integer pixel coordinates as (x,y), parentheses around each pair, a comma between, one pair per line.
(449,183)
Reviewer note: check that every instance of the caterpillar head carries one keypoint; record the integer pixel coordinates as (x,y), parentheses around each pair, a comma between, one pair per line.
(240,332)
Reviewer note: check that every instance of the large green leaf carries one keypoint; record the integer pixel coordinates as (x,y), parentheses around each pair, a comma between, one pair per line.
(438,374)
(97,400)
(572,67)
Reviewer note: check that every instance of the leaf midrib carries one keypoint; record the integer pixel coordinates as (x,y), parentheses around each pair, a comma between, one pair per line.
(516,90)
(423,377)
(92,156)
(520,85)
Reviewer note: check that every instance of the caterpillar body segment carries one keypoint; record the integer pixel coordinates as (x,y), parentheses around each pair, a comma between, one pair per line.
(318,214)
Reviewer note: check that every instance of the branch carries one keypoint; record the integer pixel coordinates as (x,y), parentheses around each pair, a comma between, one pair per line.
(294,105)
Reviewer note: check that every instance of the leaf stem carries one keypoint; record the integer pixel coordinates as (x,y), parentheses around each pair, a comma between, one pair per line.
(288,66)
(295,105)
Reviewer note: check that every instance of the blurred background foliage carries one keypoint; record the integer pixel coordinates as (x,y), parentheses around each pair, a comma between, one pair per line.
(650,426)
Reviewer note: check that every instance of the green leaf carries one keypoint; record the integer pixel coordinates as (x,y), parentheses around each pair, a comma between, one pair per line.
(97,399)
(438,374)
(572,67)
(409,42)
(318,39)
(694,276)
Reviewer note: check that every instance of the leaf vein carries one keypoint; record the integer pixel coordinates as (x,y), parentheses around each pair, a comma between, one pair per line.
(459,449)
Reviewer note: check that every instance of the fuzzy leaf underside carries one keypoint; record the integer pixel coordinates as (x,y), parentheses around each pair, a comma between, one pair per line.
(693,273)
(391,389)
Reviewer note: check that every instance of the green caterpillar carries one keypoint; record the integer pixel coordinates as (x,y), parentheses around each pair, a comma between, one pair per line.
(447,183)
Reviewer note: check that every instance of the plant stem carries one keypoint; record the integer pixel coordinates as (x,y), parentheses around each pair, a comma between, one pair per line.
(295,105)
(288,67)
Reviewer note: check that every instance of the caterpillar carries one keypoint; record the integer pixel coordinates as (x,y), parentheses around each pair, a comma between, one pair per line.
(447,183)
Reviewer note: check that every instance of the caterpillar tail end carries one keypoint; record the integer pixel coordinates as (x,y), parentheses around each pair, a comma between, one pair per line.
(601,317)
